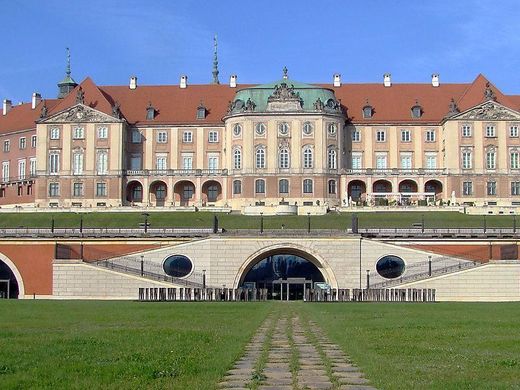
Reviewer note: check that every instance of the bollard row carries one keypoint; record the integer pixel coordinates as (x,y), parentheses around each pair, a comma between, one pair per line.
(157,294)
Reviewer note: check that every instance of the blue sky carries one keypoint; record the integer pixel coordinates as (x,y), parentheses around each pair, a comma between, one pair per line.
(160,40)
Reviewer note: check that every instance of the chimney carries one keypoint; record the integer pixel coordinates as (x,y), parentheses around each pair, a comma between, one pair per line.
(36,99)
(233,81)
(133,82)
(387,80)
(7,106)
(184,81)
(435,80)
(337,80)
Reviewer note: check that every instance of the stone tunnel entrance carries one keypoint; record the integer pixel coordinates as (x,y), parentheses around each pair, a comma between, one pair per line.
(8,285)
(284,273)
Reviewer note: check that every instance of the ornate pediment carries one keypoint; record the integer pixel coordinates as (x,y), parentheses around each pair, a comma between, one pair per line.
(284,98)
(80,113)
(488,111)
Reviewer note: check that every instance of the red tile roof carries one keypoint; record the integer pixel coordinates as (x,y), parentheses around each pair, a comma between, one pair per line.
(23,117)
(176,106)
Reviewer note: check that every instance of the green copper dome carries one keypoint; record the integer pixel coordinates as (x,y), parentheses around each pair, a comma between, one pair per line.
(284,96)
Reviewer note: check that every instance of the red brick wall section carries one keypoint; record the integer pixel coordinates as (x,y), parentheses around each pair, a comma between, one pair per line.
(478,252)
(34,262)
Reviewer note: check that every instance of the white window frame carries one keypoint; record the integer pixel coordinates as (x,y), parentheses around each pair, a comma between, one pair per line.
(467,159)
(380,135)
(187,162)
(5,171)
(104,192)
(22,143)
(430,135)
(515,188)
(21,169)
(237,158)
(308,157)
(356,135)
(213,162)
(54,163)
(32,166)
(7,145)
(491,188)
(78,132)
(332,158)
(54,189)
(187,137)
(78,159)
(406,135)
(257,186)
(162,137)
(406,160)
(33,141)
(357,160)
(467,188)
(307,186)
(491,131)
(514,159)
(102,162)
(54,133)
(491,159)
(260,157)
(213,136)
(513,131)
(102,132)
(81,188)
(381,161)
(429,158)
(161,162)
(466,131)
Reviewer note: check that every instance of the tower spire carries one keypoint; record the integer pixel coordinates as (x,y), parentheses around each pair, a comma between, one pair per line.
(215,61)
(67,84)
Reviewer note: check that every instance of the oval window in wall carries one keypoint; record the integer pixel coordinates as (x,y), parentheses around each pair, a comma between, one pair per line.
(177,266)
(390,266)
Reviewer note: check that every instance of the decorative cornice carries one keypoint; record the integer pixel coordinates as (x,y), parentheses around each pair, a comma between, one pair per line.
(489,110)
(80,113)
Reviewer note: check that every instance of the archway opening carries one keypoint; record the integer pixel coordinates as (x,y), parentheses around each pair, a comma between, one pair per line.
(382,186)
(356,190)
(8,284)
(284,273)
(158,192)
(184,192)
(134,192)
(211,191)
(433,186)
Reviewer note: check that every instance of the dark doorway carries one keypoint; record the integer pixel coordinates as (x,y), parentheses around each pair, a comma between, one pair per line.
(285,276)
(8,284)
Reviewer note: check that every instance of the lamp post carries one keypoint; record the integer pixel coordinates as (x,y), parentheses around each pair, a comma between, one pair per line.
(430,265)
(145,215)
(422,223)
(514,223)
(81,223)
(368,279)
(308,222)
(52,224)
(485,223)
(261,222)
(142,265)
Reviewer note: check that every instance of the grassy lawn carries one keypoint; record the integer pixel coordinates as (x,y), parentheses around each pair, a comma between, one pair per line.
(434,346)
(233,221)
(118,345)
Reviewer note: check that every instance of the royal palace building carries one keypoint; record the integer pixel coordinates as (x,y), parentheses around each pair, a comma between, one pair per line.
(287,146)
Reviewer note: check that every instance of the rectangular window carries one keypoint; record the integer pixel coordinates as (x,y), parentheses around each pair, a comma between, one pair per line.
(491,187)
(406,161)
(381,136)
(513,131)
(78,132)
(515,188)
(466,131)
(101,189)
(237,187)
(491,160)
(102,162)
(77,163)
(135,162)
(21,169)
(213,137)
(7,145)
(22,143)
(54,163)
(102,132)
(307,186)
(357,161)
(187,162)
(161,163)
(405,136)
(5,171)
(466,160)
(381,161)
(430,136)
(212,163)
(187,137)
(136,136)
(467,188)
(490,131)
(356,136)
(54,189)
(55,133)
(162,137)
(260,186)
(77,189)
(514,160)
(32,167)
(431,161)
(33,141)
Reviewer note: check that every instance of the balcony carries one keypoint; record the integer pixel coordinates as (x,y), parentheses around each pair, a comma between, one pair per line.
(396,172)
(176,172)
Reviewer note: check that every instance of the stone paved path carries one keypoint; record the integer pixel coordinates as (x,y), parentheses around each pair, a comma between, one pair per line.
(286,354)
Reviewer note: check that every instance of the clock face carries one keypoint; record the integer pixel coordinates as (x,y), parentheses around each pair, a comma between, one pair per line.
(237,130)
(283,128)
(260,129)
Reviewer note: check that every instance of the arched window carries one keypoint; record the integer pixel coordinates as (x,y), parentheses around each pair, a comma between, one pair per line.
(332,159)
(260,186)
(308,157)
(237,159)
(307,186)
(260,157)
(237,187)
(77,162)
(332,187)
(283,158)
(283,186)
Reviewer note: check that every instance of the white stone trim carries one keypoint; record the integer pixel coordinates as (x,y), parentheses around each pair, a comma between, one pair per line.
(17,275)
